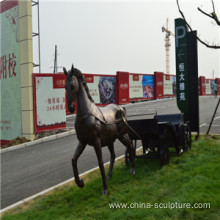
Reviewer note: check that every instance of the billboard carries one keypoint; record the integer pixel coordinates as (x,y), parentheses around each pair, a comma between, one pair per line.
(208,87)
(10,104)
(169,85)
(212,87)
(49,102)
(101,88)
(141,86)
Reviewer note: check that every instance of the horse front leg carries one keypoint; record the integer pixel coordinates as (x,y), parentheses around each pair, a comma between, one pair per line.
(80,148)
(98,151)
(112,160)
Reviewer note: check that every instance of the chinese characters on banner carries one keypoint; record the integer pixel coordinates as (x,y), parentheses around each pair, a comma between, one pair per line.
(169,87)
(49,102)
(101,88)
(7,66)
(141,86)
(10,104)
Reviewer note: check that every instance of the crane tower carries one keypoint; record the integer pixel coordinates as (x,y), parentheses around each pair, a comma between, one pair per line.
(167,45)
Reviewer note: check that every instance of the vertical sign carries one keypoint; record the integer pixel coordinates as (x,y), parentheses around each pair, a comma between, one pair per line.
(10,103)
(193,114)
(181,65)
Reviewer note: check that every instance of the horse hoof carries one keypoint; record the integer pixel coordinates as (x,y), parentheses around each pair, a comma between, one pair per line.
(109,177)
(132,171)
(80,183)
(105,192)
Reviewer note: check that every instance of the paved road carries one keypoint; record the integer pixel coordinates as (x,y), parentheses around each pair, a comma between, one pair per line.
(30,170)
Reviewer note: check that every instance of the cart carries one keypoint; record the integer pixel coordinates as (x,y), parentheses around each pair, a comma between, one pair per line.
(158,133)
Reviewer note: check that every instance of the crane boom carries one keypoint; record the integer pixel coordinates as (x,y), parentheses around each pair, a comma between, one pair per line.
(167,45)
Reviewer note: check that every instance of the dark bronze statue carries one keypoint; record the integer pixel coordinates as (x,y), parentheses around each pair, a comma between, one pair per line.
(97,127)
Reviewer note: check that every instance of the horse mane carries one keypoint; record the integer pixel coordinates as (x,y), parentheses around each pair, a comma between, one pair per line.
(81,78)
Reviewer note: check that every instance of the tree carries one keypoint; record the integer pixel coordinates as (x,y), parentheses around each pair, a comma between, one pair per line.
(211,15)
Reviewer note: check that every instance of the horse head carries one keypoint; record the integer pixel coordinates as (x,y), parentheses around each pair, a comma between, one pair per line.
(71,86)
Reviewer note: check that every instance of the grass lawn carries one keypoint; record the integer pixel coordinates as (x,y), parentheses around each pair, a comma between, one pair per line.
(192,178)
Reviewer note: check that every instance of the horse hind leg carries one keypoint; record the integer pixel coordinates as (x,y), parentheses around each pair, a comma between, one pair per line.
(80,148)
(126,141)
(98,151)
(112,160)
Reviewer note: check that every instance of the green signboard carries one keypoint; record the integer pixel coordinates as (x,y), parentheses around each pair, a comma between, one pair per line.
(182,84)
(10,103)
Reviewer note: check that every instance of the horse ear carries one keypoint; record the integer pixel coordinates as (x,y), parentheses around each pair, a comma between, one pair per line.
(64,70)
(72,69)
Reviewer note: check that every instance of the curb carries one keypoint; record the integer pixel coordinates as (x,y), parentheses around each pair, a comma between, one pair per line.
(41,140)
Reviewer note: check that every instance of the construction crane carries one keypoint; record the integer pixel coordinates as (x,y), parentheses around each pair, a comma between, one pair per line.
(167,45)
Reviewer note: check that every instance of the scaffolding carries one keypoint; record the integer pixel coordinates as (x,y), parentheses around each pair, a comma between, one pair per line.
(37,34)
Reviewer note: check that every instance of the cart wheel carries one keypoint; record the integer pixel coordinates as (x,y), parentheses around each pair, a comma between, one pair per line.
(164,155)
(187,138)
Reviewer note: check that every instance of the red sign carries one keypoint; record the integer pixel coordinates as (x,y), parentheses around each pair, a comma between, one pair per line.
(202,85)
(58,81)
(89,78)
(6,5)
(122,92)
(158,85)
(167,77)
(135,77)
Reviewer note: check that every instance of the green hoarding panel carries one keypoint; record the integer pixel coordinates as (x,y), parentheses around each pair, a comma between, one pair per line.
(10,103)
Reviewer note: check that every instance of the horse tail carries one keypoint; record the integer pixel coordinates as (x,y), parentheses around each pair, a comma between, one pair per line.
(128,129)
(121,113)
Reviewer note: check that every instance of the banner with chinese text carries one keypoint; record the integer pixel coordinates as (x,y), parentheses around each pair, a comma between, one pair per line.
(169,85)
(49,102)
(208,87)
(141,86)
(10,103)
(101,88)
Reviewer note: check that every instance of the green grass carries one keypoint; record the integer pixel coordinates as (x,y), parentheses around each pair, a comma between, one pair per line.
(191,178)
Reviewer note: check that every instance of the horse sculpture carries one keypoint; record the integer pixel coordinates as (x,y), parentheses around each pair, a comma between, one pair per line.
(97,127)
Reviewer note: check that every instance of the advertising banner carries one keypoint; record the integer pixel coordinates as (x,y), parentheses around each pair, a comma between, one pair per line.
(208,87)
(49,102)
(101,88)
(169,85)
(10,104)
(141,86)
(212,87)
(135,86)
(148,86)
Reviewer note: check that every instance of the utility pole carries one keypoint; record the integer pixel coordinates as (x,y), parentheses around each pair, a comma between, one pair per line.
(55,66)
(55,60)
